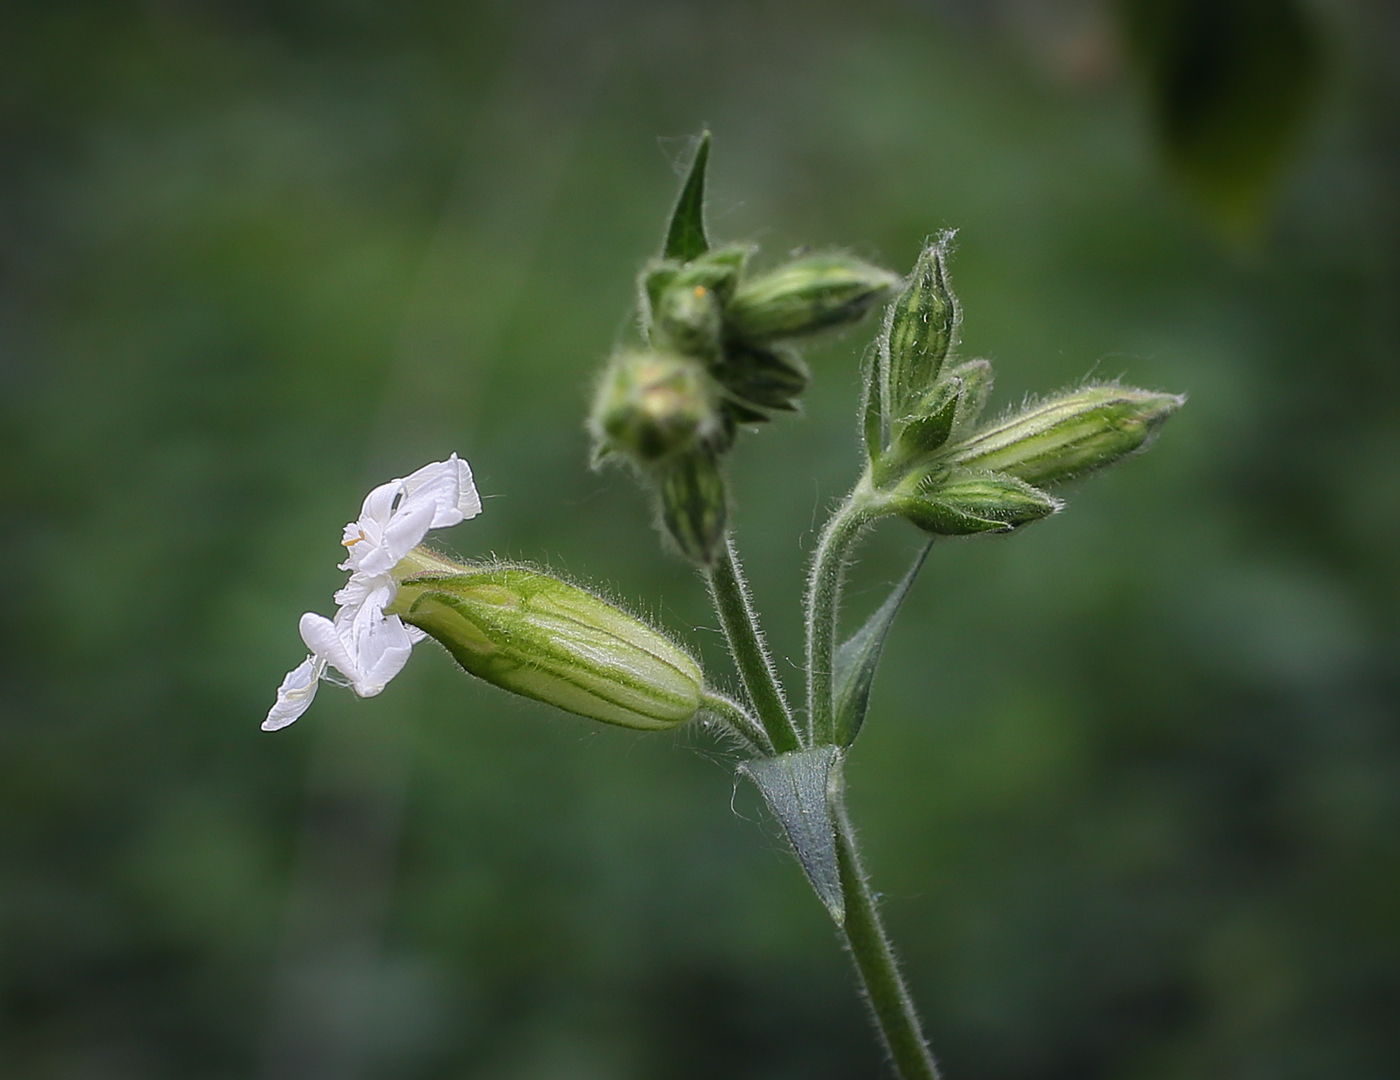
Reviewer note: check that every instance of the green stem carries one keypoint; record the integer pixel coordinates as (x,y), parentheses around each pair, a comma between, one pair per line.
(730,595)
(823,604)
(885,991)
(738,718)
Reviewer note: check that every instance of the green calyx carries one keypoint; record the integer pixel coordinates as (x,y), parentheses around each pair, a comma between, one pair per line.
(965,503)
(1069,434)
(805,296)
(920,330)
(694,505)
(543,638)
(650,406)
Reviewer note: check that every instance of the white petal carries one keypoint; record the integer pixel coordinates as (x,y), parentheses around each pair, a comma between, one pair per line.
(448,486)
(384,652)
(360,588)
(468,499)
(405,532)
(295,694)
(362,538)
(323,639)
(379,504)
(356,623)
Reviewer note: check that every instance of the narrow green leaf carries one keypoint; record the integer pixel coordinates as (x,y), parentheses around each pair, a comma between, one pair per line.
(857,658)
(685,239)
(798,787)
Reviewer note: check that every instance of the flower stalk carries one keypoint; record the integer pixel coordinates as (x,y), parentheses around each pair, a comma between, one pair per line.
(891,1004)
(729,592)
(825,583)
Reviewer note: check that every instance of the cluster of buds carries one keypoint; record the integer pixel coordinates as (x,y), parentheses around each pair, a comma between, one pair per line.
(718,355)
(932,464)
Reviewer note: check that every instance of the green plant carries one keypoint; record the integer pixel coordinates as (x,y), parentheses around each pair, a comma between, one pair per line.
(718,354)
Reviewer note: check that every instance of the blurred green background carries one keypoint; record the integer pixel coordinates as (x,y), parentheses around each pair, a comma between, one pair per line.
(1131,783)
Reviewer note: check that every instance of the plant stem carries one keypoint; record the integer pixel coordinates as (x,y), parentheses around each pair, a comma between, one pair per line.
(738,718)
(823,604)
(730,594)
(889,999)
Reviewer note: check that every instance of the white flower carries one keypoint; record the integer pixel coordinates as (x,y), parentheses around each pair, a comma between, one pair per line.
(361,642)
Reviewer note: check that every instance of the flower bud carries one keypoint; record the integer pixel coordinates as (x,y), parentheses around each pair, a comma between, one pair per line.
(718,271)
(964,503)
(652,405)
(543,638)
(694,505)
(805,296)
(687,319)
(1068,435)
(921,329)
(768,378)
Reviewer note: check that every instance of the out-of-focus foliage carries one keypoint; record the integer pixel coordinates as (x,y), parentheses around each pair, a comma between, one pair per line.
(1230,84)
(1130,783)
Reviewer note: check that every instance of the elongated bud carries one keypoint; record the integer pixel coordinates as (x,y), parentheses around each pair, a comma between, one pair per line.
(767,378)
(805,296)
(650,406)
(543,638)
(694,505)
(921,329)
(1071,434)
(965,503)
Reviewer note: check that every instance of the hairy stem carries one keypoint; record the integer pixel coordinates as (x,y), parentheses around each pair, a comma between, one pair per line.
(738,719)
(730,594)
(890,1003)
(823,605)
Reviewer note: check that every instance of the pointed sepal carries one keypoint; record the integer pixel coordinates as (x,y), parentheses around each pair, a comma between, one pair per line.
(800,788)
(685,237)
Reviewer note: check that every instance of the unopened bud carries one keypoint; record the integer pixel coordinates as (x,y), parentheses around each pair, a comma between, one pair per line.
(543,638)
(962,504)
(805,296)
(694,505)
(1083,430)
(718,271)
(921,329)
(687,319)
(769,378)
(652,405)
